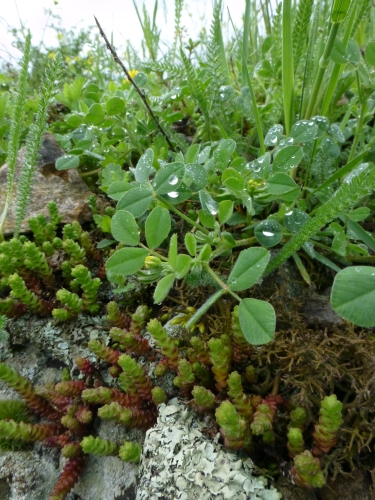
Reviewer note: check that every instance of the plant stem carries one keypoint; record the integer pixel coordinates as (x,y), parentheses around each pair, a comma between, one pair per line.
(361,119)
(180,214)
(287,63)
(220,282)
(323,63)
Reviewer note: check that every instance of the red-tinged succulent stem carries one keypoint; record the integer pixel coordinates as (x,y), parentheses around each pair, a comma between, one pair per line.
(199,351)
(204,400)
(232,426)
(166,344)
(306,471)
(295,443)
(84,415)
(54,397)
(103,352)
(26,391)
(137,375)
(239,399)
(71,388)
(106,395)
(85,366)
(242,350)
(130,417)
(19,431)
(220,355)
(115,317)
(100,447)
(68,477)
(326,431)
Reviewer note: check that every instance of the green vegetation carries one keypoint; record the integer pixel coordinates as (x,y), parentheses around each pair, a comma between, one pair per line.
(219,161)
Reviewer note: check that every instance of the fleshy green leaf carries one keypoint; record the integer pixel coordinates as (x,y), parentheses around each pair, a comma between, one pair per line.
(124,228)
(248,268)
(257,321)
(353,295)
(157,227)
(126,261)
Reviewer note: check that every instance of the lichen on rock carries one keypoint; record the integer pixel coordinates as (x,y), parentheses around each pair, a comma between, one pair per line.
(179,462)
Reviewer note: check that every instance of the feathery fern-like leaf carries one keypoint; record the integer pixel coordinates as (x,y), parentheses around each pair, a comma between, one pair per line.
(16,127)
(301,29)
(34,139)
(347,196)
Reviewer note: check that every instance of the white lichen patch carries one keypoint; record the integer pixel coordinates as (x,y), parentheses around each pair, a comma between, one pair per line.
(180,463)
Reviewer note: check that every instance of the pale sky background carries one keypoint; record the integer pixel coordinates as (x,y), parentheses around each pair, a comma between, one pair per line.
(117,16)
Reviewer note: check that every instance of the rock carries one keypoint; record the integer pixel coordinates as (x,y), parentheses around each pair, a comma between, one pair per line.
(357,486)
(292,492)
(318,311)
(65,187)
(179,462)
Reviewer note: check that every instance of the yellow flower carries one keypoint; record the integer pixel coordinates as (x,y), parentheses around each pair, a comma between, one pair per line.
(51,55)
(132,73)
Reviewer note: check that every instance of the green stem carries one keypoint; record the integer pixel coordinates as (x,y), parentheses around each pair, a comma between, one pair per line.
(323,63)
(337,68)
(245,71)
(152,252)
(180,214)
(287,63)
(220,282)
(360,123)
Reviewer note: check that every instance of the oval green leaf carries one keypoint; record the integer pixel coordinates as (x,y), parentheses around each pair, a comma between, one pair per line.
(287,158)
(114,106)
(67,161)
(124,228)
(158,225)
(168,179)
(304,131)
(257,320)
(126,261)
(163,287)
(353,295)
(136,201)
(95,116)
(248,268)
(144,166)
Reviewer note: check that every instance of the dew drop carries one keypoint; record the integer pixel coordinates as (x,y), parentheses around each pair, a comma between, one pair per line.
(173,194)
(268,234)
(173,179)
